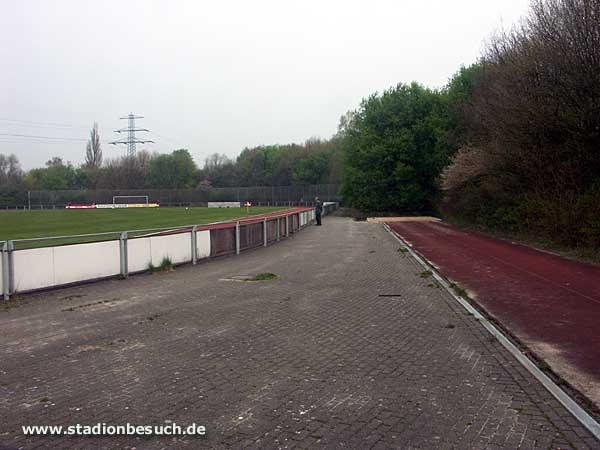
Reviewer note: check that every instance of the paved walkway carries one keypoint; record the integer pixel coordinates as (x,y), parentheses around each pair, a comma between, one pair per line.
(551,303)
(349,348)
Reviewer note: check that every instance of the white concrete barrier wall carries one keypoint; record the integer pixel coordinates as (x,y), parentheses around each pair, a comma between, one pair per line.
(176,247)
(40,268)
(82,262)
(52,266)
(139,254)
(33,268)
(202,244)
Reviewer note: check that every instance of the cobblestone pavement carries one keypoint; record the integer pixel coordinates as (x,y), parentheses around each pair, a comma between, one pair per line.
(351,347)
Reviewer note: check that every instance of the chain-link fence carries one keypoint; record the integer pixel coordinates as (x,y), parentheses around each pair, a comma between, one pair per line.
(258,195)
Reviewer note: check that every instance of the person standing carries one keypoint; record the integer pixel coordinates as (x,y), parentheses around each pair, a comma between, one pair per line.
(318,210)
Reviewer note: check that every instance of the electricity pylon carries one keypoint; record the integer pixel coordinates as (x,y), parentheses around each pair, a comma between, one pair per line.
(131,138)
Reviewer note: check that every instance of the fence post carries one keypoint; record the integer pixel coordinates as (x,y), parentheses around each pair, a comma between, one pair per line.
(5,272)
(194,245)
(287,225)
(123,253)
(278,229)
(237,237)
(265,232)
(11,266)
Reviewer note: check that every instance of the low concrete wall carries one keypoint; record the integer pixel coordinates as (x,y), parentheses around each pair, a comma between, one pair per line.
(41,268)
(145,251)
(202,244)
(176,247)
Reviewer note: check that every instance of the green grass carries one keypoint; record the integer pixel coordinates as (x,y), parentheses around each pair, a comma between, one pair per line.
(458,290)
(263,277)
(166,265)
(63,222)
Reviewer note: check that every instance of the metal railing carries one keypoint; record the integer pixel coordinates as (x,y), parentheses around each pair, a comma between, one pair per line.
(224,237)
(4,261)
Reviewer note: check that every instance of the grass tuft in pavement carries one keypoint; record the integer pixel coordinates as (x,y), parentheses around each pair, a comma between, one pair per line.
(262,277)
(166,265)
(461,292)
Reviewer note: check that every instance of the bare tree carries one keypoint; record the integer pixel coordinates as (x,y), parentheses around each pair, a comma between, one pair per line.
(55,161)
(125,172)
(215,161)
(93,151)
(10,169)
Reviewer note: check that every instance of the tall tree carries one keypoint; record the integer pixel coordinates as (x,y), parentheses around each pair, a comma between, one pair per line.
(176,170)
(10,170)
(394,150)
(93,150)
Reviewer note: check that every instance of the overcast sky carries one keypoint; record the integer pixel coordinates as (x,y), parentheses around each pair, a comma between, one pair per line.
(218,76)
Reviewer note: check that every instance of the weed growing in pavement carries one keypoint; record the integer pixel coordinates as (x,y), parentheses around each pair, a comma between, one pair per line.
(262,277)
(166,265)
(459,290)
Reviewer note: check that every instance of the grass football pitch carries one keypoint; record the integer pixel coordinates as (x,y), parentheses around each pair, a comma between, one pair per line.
(64,222)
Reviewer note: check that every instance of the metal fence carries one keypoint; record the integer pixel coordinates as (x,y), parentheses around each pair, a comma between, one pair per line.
(260,195)
(42,263)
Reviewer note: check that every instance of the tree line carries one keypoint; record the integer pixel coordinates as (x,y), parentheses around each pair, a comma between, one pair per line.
(313,162)
(509,144)
(530,163)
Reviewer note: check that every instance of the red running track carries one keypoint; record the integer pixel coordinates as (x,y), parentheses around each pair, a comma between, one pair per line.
(551,303)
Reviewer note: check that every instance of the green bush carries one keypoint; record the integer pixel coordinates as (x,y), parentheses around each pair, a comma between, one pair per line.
(395,150)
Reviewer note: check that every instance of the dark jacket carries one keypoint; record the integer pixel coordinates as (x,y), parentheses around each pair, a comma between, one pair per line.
(318,207)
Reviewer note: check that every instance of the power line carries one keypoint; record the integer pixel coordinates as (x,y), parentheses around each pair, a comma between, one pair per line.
(37,141)
(60,126)
(42,137)
(34,124)
(167,138)
(172,141)
(131,140)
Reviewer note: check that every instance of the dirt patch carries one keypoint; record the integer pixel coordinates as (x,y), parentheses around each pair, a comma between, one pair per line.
(90,305)
(258,277)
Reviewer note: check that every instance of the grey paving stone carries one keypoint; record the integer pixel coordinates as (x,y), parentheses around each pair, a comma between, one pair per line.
(321,357)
